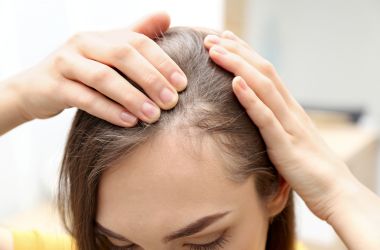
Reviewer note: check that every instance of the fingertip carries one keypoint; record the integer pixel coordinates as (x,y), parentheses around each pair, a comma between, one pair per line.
(179,80)
(153,25)
(128,119)
(240,83)
(235,83)
(211,39)
(130,125)
(229,34)
(173,101)
(154,120)
(151,112)
(163,17)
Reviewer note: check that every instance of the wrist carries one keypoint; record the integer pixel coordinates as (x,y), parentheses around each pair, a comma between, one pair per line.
(344,201)
(19,94)
(11,105)
(356,213)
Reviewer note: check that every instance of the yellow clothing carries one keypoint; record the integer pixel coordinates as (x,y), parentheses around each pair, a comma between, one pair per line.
(35,240)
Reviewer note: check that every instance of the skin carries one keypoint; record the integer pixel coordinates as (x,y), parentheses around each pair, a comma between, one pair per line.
(308,165)
(152,192)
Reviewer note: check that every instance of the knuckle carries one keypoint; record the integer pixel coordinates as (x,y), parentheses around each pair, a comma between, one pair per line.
(267,87)
(266,118)
(234,46)
(252,102)
(121,52)
(61,60)
(164,63)
(108,111)
(140,41)
(84,100)
(128,100)
(100,75)
(267,68)
(150,80)
(78,38)
(65,96)
(237,62)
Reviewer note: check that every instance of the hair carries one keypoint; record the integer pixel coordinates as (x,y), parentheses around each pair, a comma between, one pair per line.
(207,105)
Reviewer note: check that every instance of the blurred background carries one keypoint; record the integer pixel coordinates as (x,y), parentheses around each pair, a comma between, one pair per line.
(327,52)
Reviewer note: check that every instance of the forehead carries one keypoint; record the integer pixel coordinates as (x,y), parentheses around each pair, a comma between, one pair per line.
(166,179)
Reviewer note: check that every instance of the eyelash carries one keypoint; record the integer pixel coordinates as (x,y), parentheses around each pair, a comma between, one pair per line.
(122,248)
(215,245)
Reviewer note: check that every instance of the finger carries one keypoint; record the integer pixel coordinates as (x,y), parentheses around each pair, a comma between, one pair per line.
(270,128)
(239,48)
(111,84)
(259,83)
(94,103)
(236,45)
(152,25)
(154,54)
(132,64)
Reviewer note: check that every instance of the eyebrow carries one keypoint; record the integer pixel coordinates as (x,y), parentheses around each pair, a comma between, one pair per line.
(188,230)
(109,233)
(195,227)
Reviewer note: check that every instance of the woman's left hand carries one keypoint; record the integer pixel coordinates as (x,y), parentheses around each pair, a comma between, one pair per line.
(294,145)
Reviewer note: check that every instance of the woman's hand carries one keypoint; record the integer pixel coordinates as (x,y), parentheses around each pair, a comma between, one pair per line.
(82,73)
(294,146)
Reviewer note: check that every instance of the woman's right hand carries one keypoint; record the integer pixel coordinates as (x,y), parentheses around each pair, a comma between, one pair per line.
(82,73)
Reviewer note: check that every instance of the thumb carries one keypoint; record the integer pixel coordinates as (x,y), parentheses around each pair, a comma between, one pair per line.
(152,25)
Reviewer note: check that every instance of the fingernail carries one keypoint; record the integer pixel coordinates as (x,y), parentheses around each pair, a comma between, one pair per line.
(150,110)
(167,96)
(127,117)
(219,50)
(242,83)
(212,39)
(178,80)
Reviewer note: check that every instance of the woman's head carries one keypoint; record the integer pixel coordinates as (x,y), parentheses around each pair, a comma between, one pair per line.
(199,175)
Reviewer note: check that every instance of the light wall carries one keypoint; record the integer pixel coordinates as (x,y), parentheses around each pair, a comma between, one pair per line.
(327,51)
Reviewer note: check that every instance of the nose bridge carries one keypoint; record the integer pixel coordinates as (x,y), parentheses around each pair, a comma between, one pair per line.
(159,245)
(154,233)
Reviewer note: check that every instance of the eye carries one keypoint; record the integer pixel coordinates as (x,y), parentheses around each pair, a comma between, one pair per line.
(214,245)
(130,247)
(104,243)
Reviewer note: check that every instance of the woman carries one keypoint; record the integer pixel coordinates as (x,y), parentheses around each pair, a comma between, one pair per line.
(202,159)
(219,180)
